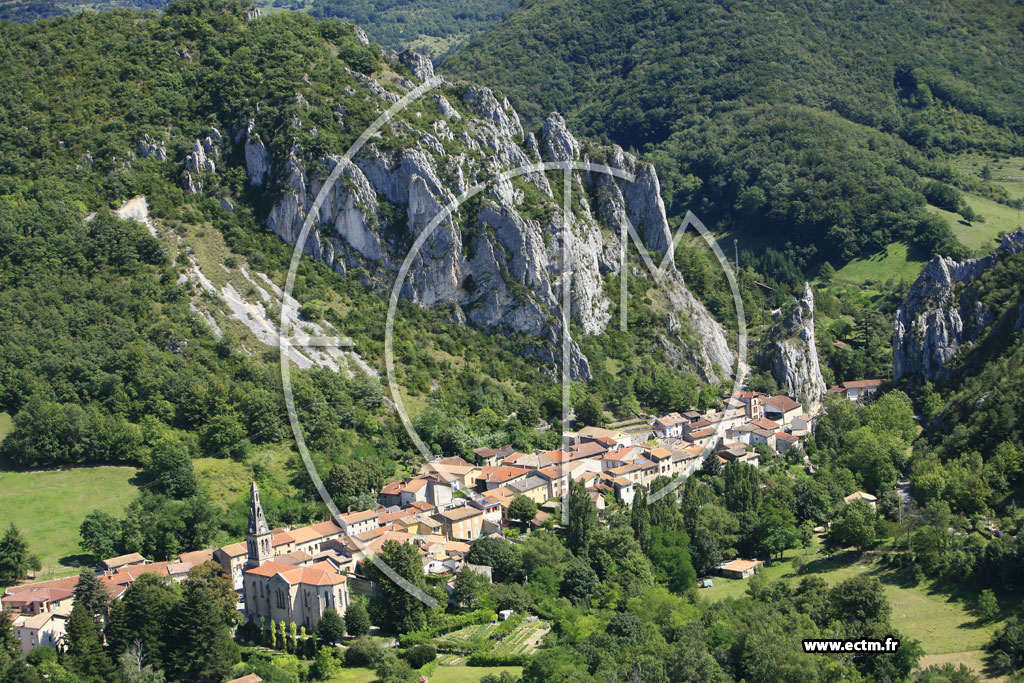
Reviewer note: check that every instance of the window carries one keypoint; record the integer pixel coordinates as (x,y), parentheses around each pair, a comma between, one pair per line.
(281,603)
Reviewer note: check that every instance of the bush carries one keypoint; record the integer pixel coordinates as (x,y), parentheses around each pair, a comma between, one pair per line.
(491,659)
(364,652)
(420,655)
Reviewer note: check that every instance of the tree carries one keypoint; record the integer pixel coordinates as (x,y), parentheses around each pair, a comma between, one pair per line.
(579,581)
(331,628)
(400,610)
(8,641)
(133,668)
(513,596)
(589,411)
(90,594)
(988,606)
(357,619)
(640,519)
(858,601)
(225,436)
(522,508)
(100,534)
(670,556)
(499,555)
(85,654)
(856,525)
(582,518)
(168,469)
(141,619)
(469,586)
(200,645)
(15,559)
(326,664)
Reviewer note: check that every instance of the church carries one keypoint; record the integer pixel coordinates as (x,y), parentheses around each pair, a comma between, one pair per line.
(281,591)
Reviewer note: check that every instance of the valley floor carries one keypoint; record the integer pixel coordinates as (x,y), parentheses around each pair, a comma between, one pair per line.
(942,621)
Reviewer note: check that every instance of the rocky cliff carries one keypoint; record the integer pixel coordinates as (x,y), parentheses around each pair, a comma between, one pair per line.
(499,258)
(943,315)
(794,354)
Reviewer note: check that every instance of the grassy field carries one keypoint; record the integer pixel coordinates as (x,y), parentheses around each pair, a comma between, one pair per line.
(442,674)
(981,236)
(894,263)
(228,479)
(941,621)
(49,506)
(5,425)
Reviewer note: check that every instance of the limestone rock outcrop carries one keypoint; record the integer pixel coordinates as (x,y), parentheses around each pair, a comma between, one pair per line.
(942,313)
(502,260)
(794,354)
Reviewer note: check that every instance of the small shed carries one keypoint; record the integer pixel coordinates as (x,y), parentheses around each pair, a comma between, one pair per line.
(740,569)
(506,613)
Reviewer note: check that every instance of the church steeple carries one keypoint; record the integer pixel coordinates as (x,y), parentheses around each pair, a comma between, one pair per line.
(257,537)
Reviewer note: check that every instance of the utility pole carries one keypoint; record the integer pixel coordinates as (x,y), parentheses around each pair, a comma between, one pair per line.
(736,247)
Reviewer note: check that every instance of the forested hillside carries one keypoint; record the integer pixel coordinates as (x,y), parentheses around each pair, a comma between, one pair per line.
(434,27)
(826,126)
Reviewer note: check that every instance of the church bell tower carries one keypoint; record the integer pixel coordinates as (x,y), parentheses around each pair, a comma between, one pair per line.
(257,537)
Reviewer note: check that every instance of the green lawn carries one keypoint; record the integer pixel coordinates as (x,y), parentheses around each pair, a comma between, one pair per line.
(942,622)
(981,236)
(442,674)
(893,263)
(48,507)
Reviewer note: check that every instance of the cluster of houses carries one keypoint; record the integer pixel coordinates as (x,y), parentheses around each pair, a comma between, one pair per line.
(295,574)
(39,611)
(746,419)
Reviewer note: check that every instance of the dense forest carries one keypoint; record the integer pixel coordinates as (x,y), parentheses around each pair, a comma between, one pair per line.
(436,28)
(778,119)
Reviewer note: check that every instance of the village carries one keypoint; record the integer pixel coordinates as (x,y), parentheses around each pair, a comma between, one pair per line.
(295,574)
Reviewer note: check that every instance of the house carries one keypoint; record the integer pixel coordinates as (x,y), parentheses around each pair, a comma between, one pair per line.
(32,599)
(462,524)
(557,480)
(277,591)
(784,441)
(357,522)
(115,563)
(669,426)
(859,388)
(782,409)
(751,401)
(402,493)
(861,495)
(533,487)
(231,559)
(803,422)
(501,475)
(492,456)
(740,569)
(37,630)
(620,439)
(702,437)
(491,508)
(248,678)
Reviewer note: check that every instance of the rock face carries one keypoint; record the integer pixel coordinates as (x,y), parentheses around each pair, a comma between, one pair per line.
(420,66)
(942,313)
(500,261)
(794,354)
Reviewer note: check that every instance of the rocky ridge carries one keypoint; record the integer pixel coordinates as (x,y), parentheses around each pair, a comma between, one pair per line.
(499,258)
(942,314)
(794,353)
